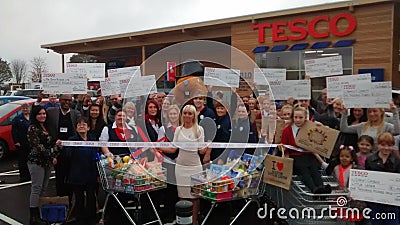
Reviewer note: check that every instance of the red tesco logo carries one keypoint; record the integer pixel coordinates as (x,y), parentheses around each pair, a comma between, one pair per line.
(301,28)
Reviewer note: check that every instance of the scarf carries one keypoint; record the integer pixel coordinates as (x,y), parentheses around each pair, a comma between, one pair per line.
(123,133)
(342,171)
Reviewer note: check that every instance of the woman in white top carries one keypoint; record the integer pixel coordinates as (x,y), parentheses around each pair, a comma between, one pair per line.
(167,131)
(166,134)
(188,160)
(131,115)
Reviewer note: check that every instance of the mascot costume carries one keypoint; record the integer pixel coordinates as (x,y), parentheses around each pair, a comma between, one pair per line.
(189,84)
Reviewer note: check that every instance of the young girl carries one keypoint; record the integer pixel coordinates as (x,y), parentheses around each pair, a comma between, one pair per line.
(286,112)
(305,164)
(365,144)
(348,158)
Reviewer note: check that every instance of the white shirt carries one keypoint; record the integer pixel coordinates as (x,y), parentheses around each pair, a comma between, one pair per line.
(104,133)
(295,130)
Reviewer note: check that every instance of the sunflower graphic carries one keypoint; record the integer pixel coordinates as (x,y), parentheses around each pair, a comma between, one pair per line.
(317,136)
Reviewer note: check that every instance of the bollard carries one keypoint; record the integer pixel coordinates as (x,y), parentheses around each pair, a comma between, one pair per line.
(184,211)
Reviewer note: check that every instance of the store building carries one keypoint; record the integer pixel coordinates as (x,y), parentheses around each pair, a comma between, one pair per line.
(366,33)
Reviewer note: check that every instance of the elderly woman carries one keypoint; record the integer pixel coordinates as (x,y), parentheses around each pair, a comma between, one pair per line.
(131,114)
(332,116)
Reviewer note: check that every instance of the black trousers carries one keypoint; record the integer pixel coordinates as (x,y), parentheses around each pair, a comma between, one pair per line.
(22,153)
(85,194)
(307,167)
(62,170)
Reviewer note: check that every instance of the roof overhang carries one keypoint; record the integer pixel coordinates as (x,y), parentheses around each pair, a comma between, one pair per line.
(131,43)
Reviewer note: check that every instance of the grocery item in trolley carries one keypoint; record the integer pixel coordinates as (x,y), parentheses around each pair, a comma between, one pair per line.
(128,175)
(239,178)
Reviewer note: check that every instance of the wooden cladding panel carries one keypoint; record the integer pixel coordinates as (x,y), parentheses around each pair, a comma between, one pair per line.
(396,46)
(373,35)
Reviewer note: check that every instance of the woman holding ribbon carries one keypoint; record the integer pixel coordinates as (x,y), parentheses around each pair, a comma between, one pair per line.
(188,160)
(119,131)
(42,157)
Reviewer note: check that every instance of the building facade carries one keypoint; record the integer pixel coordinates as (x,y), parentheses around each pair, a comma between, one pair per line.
(365,33)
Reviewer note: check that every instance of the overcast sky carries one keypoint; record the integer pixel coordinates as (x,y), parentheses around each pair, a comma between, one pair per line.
(27,24)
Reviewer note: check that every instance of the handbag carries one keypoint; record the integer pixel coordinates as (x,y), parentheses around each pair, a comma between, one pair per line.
(278,170)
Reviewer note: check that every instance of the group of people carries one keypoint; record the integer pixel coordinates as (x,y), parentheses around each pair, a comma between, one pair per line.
(366,141)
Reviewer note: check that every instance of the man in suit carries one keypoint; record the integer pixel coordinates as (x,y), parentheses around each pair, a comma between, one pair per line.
(62,121)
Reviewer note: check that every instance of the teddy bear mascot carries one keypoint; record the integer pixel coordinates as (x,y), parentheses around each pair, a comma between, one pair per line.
(190,89)
(190,83)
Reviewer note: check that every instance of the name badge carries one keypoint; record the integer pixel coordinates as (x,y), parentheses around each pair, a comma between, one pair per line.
(63,129)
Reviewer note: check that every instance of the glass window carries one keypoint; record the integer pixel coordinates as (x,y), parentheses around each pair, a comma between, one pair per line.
(293,61)
(9,120)
(7,108)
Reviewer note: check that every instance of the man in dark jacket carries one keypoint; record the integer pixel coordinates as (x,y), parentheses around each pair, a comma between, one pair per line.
(19,131)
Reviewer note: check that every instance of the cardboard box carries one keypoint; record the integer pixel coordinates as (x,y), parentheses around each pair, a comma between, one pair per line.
(53,200)
(317,138)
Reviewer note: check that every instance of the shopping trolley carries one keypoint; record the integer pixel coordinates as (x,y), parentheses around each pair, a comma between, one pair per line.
(130,178)
(229,186)
(313,208)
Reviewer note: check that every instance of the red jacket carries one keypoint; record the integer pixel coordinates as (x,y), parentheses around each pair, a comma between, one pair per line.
(288,139)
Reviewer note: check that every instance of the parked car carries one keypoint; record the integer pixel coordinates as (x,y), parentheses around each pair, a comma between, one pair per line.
(7,99)
(32,93)
(7,113)
(10,93)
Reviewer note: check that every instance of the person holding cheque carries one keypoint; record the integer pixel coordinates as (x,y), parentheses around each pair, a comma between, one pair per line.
(375,124)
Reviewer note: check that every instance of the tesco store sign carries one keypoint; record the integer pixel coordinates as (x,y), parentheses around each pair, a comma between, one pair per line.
(299,29)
